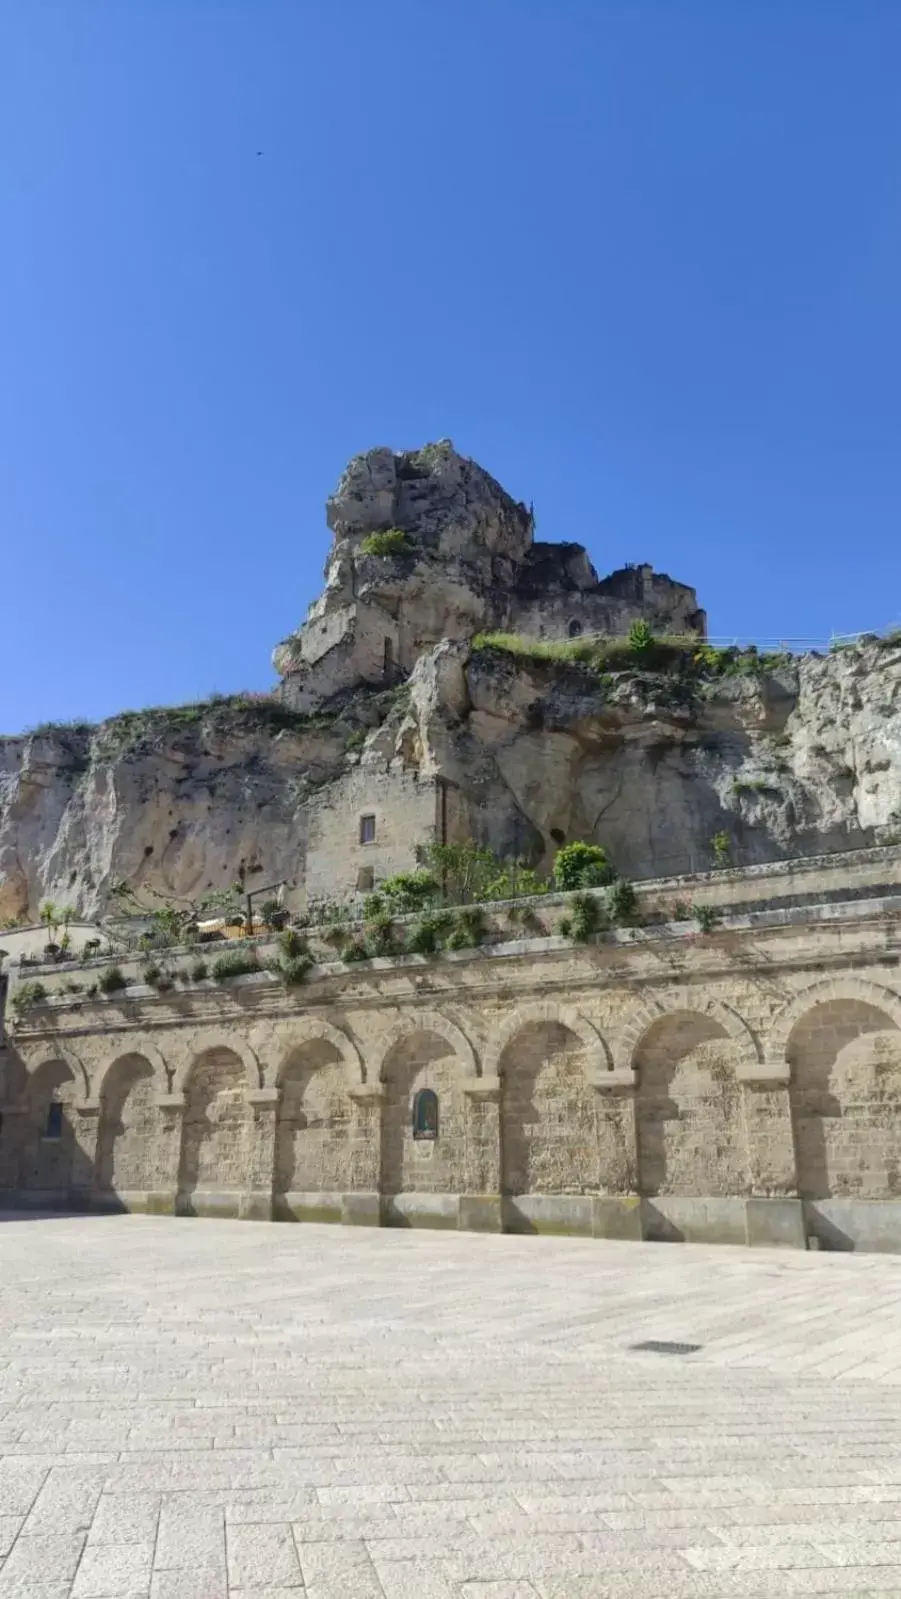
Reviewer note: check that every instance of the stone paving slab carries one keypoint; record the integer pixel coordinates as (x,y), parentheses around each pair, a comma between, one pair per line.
(217,1410)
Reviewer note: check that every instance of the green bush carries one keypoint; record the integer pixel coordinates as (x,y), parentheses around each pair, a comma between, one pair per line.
(380,936)
(199,972)
(409,891)
(706,917)
(581,865)
(585,918)
(28,994)
(722,849)
(112,980)
(622,900)
(235,964)
(392,542)
(293,970)
(293,944)
(426,935)
(641,639)
(468,929)
(353,951)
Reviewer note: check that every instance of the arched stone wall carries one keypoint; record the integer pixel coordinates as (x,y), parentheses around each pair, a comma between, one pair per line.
(50,1166)
(844,1053)
(312,1136)
(137,1044)
(127,1150)
(690,1130)
(207,1042)
(647,1013)
(854,989)
(547,1060)
(216,1125)
(597,1056)
(424,1050)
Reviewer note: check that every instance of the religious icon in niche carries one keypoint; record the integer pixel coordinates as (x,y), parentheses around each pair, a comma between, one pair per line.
(425,1114)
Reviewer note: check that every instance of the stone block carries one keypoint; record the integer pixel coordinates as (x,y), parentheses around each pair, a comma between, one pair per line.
(670,1220)
(775,1223)
(159,1204)
(617,1216)
(308,1207)
(480,1213)
(873,1225)
(255,1206)
(420,1210)
(209,1203)
(556,1215)
(361,1210)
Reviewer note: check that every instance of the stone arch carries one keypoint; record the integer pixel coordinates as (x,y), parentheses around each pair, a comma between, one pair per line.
(648,1013)
(134,1046)
(841,1040)
(539,1014)
(308,1030)
(216,1126)
(65,1053)
(318,1069)
(408,1062)
(552,1123)
(428,1021)
(687,1062)
(127,1141)
(857,989)
(208,1041)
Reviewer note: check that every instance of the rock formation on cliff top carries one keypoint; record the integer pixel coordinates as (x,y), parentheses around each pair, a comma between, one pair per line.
(542,736)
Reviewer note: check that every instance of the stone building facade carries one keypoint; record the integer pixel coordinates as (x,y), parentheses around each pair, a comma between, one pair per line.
(739,1086)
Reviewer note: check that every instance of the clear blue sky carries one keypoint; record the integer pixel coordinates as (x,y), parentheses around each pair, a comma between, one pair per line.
(642,260)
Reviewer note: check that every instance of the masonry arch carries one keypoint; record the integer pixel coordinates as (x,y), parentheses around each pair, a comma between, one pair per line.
(548,1057)
(138,1045)
(52,1158)
(318,1068)
(424,1050)
(598,1056)
(647,1014)
(208,1042)
(841,1040)
(690,1129)
(35,1063)
(129,1121)
(216,1126)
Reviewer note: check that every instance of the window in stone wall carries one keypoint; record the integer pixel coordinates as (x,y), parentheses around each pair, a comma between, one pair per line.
(54,1124)
(367,829)
(575,628)
(425,1114)
(365,880)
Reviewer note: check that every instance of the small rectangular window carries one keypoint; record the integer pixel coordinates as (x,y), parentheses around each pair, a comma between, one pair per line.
(367,829)
(54,1127)
(365,880)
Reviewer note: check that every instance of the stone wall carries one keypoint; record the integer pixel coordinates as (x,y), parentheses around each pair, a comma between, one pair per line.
(741,1086)
(403,806)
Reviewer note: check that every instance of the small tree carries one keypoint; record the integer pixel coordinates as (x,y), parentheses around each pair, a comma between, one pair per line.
(722,849)
(581,865)
(641,639)
(49,917)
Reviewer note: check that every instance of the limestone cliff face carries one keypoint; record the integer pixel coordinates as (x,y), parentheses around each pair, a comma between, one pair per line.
(804,756)
(389,701)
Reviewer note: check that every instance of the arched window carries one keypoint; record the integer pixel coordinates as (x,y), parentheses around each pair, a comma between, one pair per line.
(54,1124)
(425,1114)
(575,628)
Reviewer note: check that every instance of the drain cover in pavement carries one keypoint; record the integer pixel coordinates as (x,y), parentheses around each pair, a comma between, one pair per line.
(660,1346)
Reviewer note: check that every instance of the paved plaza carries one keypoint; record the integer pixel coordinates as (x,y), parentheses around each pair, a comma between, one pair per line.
(190,1410)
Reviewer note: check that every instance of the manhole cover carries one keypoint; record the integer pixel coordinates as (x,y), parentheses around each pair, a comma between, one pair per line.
(662,1346)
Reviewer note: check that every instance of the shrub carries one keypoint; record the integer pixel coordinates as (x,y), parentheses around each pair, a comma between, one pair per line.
(235,964)
(410,891)
(722,848)
(152,974)
(354,950)
(426,934)
(392,542)
(28,994)
(293,969)
(680,911)
(380,935)
(112,981)
(706,917)
(468,930)
(199,972)
(584,920)
(641,639)
(581,865)
(621,900)
(293,944)
(272,914)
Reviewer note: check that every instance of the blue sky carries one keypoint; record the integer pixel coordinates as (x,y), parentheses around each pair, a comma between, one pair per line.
(642,260)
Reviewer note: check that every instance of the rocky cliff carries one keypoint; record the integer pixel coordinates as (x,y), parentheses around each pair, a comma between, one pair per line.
(535,739)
